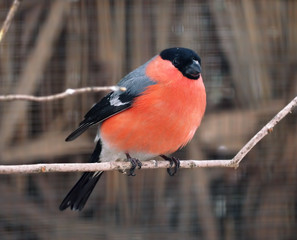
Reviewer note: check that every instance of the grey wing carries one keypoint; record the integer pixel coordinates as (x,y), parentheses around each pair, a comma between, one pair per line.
(115,102)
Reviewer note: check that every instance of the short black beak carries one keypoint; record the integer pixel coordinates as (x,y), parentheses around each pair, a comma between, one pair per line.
(193,70)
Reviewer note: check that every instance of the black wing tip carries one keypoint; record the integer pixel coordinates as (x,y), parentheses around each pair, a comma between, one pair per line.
(80,130)
(75,134)
(70,138)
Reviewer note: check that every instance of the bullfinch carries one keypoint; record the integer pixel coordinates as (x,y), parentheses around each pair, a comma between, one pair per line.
(158,113)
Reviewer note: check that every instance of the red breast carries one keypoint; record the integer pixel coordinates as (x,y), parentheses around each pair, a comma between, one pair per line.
(162,119)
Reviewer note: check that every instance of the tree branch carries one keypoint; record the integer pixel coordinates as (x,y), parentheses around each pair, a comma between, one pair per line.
(66,93)
(9,18)
(106,166)
(152,164)
(268,128)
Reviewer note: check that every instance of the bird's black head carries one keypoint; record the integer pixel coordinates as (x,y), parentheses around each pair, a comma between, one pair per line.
(185,60)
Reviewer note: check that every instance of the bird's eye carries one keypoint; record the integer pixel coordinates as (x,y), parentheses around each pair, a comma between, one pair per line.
(175,62)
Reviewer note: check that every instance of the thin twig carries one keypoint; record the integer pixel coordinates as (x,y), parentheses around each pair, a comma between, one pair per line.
(66,93)
(9,18)
(152,164)
(268,128)
(106,166)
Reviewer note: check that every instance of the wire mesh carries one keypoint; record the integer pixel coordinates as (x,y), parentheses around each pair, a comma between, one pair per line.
(248,51)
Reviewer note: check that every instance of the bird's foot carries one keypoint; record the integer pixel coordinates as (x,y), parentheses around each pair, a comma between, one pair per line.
(173,160)
(135,163)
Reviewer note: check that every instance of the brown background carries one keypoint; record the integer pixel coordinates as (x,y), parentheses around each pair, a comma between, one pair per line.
(248,51)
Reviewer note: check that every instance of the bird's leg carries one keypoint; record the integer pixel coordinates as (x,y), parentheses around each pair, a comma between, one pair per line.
(134,162)
(172,160)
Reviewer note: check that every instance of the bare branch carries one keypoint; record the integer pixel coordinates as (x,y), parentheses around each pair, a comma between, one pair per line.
(9,18)
(152,164)
(268,128)
(106,166)
(66,93)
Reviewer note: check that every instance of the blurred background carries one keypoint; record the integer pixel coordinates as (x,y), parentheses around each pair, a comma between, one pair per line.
(249,60)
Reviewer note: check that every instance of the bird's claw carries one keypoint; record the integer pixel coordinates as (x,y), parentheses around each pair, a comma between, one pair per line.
(134,163)
(173,160)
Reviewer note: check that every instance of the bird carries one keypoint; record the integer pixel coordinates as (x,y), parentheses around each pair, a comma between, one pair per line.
(158,113)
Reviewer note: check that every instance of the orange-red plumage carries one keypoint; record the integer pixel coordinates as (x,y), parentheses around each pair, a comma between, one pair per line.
(159,113)
(164,118)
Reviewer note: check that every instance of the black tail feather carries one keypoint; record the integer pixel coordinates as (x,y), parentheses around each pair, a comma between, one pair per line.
(79,194)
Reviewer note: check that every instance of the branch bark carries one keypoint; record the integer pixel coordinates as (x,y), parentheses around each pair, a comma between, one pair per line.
(66,93)
(152,164)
